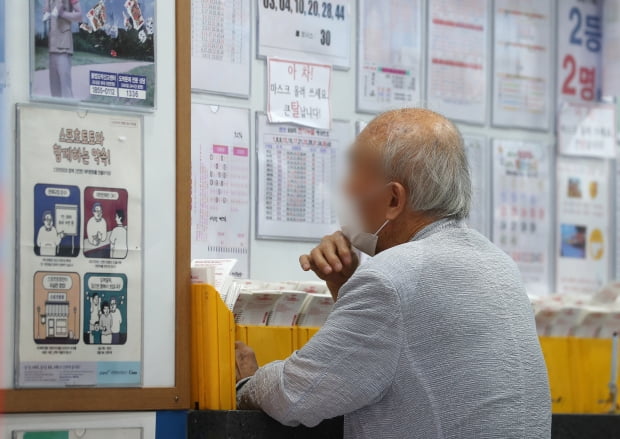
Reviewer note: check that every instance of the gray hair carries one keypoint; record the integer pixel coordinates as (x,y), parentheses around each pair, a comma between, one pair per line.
(425,153)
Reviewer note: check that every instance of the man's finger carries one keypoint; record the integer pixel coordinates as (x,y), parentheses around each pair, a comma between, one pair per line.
(343,247)
(328,247)
(304,261)
(316,255)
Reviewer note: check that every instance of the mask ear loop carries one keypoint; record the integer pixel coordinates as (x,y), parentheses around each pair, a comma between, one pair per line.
(381,228)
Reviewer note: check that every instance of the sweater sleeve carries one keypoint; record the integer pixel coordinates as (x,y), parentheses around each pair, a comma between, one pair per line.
(348,364)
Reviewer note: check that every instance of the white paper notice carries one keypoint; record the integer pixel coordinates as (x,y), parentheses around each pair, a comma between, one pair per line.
(308,29)
(389,55)
(587,130)
(521,209)
(221,46)
(583,225)
(299,92)
(522,64)
(479,162)
(296,177)
(221,184)
(580,49)
(457,59)
(79,249)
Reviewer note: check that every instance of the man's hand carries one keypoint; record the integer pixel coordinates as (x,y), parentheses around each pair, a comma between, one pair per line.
(245,361)
(333,260)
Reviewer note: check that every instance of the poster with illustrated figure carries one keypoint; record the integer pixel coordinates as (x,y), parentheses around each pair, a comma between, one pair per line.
(95,51)
(82,433)
(583,225)
(79,248)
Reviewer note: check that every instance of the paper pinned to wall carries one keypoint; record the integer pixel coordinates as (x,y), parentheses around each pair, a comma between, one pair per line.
(580,49)
(80,249)
(299,92)
(311,30)
(478,156)
(389,55)
(587,130)
(221,185)
(458,34)
(221,46)
(521,209)
(583,225)
(296,178)
(522,64)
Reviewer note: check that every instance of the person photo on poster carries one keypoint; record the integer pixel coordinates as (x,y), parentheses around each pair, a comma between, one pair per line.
(99,51)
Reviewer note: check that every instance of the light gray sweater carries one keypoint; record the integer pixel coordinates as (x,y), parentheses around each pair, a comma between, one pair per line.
(434,338)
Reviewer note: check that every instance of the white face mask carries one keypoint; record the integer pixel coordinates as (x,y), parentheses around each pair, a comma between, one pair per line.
(352,228)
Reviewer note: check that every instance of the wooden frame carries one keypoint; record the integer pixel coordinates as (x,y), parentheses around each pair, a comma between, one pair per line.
(165,398)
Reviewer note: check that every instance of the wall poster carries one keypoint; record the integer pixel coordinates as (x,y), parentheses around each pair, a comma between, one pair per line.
(522,64)
(580,50)
(389,55)
(477,150)
(583,225)
(221,46)
(296,179)
(458,34)
(221,185)
(316,31)
(79,248)
(522,208)
(95,51)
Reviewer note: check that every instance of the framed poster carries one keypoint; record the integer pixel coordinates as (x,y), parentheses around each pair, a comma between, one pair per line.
(79,248)
(94,51)
(583,225)
(522,64)
(296,179)
(458,35)
(221,61)
(389,49)
(580,51)
(521,209)
(306,30)
(221,185)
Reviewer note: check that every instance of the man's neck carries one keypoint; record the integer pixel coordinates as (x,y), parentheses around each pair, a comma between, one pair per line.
(403,230)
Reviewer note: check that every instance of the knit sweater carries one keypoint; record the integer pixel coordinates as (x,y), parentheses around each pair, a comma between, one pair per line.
(434,338)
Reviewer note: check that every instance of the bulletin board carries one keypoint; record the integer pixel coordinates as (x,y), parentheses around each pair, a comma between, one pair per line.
(171,389)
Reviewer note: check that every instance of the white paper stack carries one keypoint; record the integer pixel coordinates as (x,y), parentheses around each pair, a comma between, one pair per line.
(256,307)
(288,308)
(316,309)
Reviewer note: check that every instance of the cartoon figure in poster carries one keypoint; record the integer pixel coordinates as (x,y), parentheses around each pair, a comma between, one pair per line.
(56,220)
(56,308)
(105,301)
(106,226)
(94,50)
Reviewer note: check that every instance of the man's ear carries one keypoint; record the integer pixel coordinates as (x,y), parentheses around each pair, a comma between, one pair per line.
(398,200)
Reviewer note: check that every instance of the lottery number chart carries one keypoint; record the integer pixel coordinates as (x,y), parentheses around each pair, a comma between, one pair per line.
(220,185)
(297,174)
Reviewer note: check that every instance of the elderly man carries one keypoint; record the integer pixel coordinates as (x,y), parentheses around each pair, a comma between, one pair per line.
(434,337)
